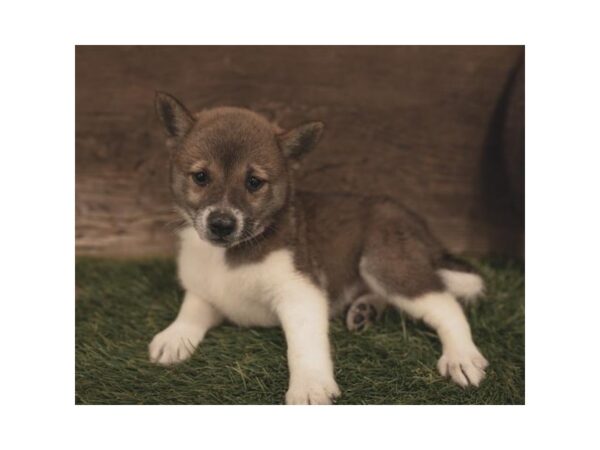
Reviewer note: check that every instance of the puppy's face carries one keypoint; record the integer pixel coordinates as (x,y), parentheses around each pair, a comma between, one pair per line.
(230,168)
(229,176)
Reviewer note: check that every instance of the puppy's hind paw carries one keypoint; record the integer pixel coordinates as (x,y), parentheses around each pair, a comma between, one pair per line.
(361,315)
(465,366)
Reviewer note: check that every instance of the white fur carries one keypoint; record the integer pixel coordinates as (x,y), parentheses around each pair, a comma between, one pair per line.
(267,293)
(303,311)
(240,294)
(460,358)
(202,219)
(466,286)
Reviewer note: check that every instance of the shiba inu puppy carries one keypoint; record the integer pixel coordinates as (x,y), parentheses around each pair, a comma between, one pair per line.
(258,252)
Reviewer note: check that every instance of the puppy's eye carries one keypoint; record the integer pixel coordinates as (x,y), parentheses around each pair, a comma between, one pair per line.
(253,184)
(201,178)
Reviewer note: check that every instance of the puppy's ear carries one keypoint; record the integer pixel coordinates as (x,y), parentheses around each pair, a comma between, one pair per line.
(297,142)
(176,119)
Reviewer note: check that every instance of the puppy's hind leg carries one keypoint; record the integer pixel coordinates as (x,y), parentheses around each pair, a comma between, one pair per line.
(399,263)
(439,309)
(429,301)
(461,359)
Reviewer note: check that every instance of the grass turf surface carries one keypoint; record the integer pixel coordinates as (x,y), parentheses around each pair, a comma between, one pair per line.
(121,304)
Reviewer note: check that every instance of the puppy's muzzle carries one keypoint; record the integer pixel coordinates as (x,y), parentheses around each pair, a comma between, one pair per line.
(221,224)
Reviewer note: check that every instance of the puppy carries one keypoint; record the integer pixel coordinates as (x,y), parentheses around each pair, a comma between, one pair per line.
(257,252)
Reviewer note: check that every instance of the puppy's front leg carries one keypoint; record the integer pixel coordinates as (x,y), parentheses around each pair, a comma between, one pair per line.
(304,316)
(178,341)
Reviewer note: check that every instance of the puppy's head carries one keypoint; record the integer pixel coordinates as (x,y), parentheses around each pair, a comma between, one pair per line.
(230,168)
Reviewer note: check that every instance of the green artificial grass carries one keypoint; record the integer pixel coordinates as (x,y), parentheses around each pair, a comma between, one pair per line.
(121,305)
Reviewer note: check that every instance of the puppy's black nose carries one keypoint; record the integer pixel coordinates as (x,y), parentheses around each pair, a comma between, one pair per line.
(221,224)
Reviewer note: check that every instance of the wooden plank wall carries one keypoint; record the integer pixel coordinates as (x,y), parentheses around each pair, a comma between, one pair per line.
(440,128)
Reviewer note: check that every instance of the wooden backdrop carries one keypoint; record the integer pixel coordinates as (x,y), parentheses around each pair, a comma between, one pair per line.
(440,128)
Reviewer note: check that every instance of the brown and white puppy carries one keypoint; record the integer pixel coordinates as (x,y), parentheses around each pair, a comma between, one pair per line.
(257,252)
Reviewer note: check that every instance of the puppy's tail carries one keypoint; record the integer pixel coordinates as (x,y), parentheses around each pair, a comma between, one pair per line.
(460,278)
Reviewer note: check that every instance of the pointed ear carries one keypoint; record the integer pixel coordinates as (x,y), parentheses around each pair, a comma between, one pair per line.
(297,142)
(176,119)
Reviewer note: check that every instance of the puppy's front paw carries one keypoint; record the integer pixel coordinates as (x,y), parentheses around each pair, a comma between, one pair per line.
(466,366)
(311,391)
(174,344)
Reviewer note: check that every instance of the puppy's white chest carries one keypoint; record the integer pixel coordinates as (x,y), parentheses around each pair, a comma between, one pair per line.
(244,295)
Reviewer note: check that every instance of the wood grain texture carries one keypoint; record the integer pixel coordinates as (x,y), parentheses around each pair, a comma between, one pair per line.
(440,128)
